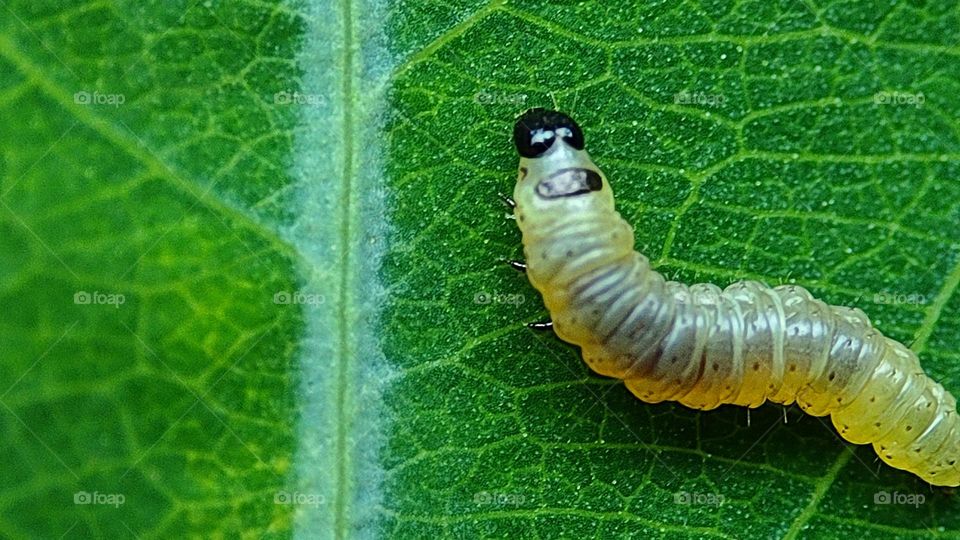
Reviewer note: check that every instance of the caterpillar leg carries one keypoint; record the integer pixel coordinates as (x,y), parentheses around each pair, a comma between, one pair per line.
(519,266)
(540,325)
(509,203)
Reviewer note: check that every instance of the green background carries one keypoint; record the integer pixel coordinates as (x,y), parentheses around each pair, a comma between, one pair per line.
(793,167)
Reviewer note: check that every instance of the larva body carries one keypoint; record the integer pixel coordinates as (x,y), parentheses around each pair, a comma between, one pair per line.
(702,346)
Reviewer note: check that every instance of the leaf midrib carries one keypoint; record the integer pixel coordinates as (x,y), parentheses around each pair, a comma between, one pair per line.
(341,506)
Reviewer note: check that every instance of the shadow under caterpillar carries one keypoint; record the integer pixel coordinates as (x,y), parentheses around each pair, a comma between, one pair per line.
(703,346)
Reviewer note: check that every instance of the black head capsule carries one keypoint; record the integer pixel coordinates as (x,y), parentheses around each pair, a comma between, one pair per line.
(537,129)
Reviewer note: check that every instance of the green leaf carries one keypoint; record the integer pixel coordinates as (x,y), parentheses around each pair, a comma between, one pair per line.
(780,141)
(149,378)
(200,337)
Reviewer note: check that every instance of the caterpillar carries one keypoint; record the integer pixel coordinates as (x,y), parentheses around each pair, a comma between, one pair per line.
(702,346)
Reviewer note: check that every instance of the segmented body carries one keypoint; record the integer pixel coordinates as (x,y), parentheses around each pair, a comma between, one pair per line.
(704,347)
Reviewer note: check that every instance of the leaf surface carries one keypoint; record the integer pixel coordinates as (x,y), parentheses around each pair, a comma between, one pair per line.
(196,317)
